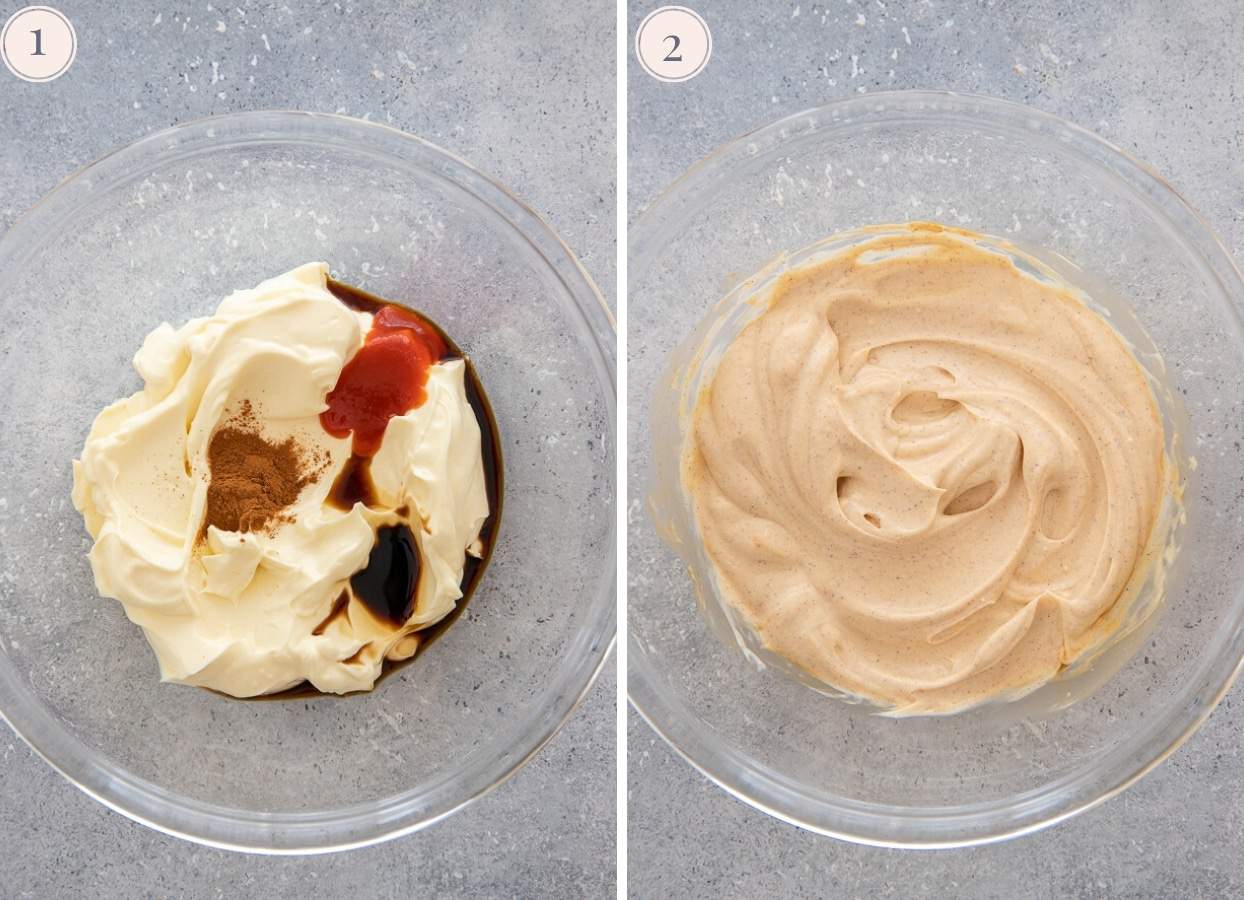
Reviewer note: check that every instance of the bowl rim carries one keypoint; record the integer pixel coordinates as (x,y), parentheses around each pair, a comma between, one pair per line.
(372,822)
(892,825)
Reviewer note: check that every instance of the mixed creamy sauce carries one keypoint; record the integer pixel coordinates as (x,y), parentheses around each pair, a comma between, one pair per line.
(924,476)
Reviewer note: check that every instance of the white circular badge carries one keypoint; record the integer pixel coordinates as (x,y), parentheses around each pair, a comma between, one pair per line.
(38,43)
(673,43)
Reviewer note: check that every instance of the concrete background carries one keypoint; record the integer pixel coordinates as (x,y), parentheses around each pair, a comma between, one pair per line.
(1160,79)
(492,82)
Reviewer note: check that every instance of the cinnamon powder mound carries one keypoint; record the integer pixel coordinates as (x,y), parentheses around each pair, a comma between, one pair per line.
(253,479)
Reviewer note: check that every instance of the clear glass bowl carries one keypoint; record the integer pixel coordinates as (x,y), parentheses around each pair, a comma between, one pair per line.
(161,231)
(1106,224)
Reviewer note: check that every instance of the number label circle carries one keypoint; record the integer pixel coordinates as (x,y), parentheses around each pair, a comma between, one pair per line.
(38,43)
(673,43)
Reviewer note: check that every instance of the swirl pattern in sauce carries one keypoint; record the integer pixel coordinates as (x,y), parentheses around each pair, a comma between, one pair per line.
(925,477)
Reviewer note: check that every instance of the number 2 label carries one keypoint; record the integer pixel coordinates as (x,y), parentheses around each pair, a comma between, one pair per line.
(673,43)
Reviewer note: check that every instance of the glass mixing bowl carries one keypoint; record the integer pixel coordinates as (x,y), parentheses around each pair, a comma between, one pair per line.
(161,231)
(1105,224)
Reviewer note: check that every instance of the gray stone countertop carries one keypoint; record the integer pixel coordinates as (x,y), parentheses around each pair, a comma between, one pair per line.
(475,78)
(1160,79)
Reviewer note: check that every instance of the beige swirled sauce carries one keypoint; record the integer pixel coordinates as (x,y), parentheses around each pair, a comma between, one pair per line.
(925,477)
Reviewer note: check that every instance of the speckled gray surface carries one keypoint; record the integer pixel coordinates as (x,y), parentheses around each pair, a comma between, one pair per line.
(1158,80)
(474,78)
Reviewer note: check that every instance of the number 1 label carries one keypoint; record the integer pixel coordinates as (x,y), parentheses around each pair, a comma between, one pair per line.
(38,44)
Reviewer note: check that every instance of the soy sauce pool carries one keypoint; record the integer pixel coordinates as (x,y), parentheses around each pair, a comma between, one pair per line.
(354,485)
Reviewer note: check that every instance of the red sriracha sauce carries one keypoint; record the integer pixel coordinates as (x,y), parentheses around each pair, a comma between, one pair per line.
(387,377)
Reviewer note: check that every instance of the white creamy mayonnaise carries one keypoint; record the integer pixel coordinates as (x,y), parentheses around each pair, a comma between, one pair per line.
(237,612)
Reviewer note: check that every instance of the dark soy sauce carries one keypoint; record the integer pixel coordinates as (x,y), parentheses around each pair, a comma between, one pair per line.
(388,583)
(353,485)
(338,610)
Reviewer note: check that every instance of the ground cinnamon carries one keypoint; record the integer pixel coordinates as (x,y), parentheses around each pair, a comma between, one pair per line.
(253,479)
